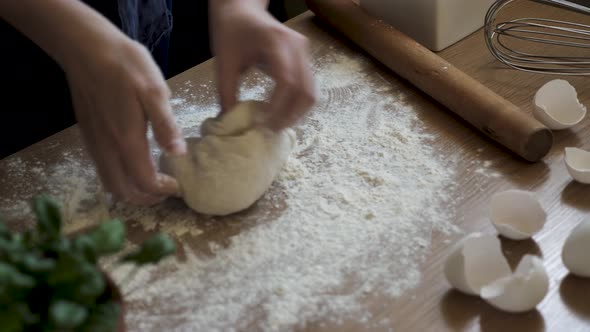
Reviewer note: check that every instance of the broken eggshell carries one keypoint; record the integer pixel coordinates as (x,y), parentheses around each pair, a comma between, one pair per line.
(522,290)
(517,214)
(474,262)
(576,248)
(577,162)
(556,105)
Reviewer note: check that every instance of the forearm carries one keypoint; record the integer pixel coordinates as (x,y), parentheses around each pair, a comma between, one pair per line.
(216,5)
(59,27)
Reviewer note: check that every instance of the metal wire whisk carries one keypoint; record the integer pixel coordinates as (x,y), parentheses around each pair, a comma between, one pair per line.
(508,41)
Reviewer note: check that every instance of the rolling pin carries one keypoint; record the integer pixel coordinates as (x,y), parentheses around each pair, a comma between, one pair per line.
(481,107)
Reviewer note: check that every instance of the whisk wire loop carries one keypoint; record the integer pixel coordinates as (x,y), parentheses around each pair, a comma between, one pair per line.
(505,38)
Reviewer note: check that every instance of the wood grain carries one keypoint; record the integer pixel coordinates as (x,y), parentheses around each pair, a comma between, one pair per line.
(432,306)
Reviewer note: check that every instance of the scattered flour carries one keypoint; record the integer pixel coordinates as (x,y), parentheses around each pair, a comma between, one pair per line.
(350,217)
(484,168)
(362,196)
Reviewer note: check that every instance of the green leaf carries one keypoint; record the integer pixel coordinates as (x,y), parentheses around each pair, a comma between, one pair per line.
(13,245)
(108,237)
(48,217)
(12,277)
(14,285)
(58,246)
(152,250)
(10,246)
(104,318)
(35,264)
(92,284)
(67,315)
(84,245)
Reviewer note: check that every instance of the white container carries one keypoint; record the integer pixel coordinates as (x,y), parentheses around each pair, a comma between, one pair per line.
(436,24)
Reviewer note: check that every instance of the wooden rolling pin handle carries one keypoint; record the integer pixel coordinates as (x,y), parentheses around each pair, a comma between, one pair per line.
(481,107)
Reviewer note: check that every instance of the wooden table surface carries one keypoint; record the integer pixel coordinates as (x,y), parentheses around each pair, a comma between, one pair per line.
(432,306)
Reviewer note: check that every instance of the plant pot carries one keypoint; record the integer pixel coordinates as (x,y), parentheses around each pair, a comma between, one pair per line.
(118,297)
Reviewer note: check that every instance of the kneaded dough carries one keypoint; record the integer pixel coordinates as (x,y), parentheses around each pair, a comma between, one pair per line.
(233,163)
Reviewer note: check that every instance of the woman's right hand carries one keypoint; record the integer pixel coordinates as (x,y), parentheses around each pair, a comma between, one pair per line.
(116,90)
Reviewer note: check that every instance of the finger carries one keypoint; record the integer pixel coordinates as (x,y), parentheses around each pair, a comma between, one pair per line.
(114,181)
(154,99)
(308,80)
(228,77)
(298,104)
(139,165)
(300,96)
(305,96)
(280,109)
(122,186)
(283,100)
(122,155)
(107,164)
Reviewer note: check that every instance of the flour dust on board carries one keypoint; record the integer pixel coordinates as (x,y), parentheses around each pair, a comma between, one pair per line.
(350,216)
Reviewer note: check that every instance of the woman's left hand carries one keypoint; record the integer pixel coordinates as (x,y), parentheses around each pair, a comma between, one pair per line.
(243,35)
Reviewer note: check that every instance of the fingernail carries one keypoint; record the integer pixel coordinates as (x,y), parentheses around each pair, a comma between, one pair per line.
(177,147)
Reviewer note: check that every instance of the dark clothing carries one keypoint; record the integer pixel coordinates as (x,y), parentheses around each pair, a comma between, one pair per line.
(36,99)
(147,21)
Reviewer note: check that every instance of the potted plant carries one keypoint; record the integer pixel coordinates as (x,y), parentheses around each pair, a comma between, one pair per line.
(52,282)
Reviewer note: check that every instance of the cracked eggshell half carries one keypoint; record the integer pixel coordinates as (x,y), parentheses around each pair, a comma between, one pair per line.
(576,248)
(474,262)
(521,291)
(577,162)
(517,214)
(556,105)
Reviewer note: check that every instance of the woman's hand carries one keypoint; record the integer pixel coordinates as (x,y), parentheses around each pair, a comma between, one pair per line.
(244,34)
(116,90)
(115,93)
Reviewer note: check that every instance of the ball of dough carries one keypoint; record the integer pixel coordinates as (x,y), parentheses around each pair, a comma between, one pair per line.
(233,163)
